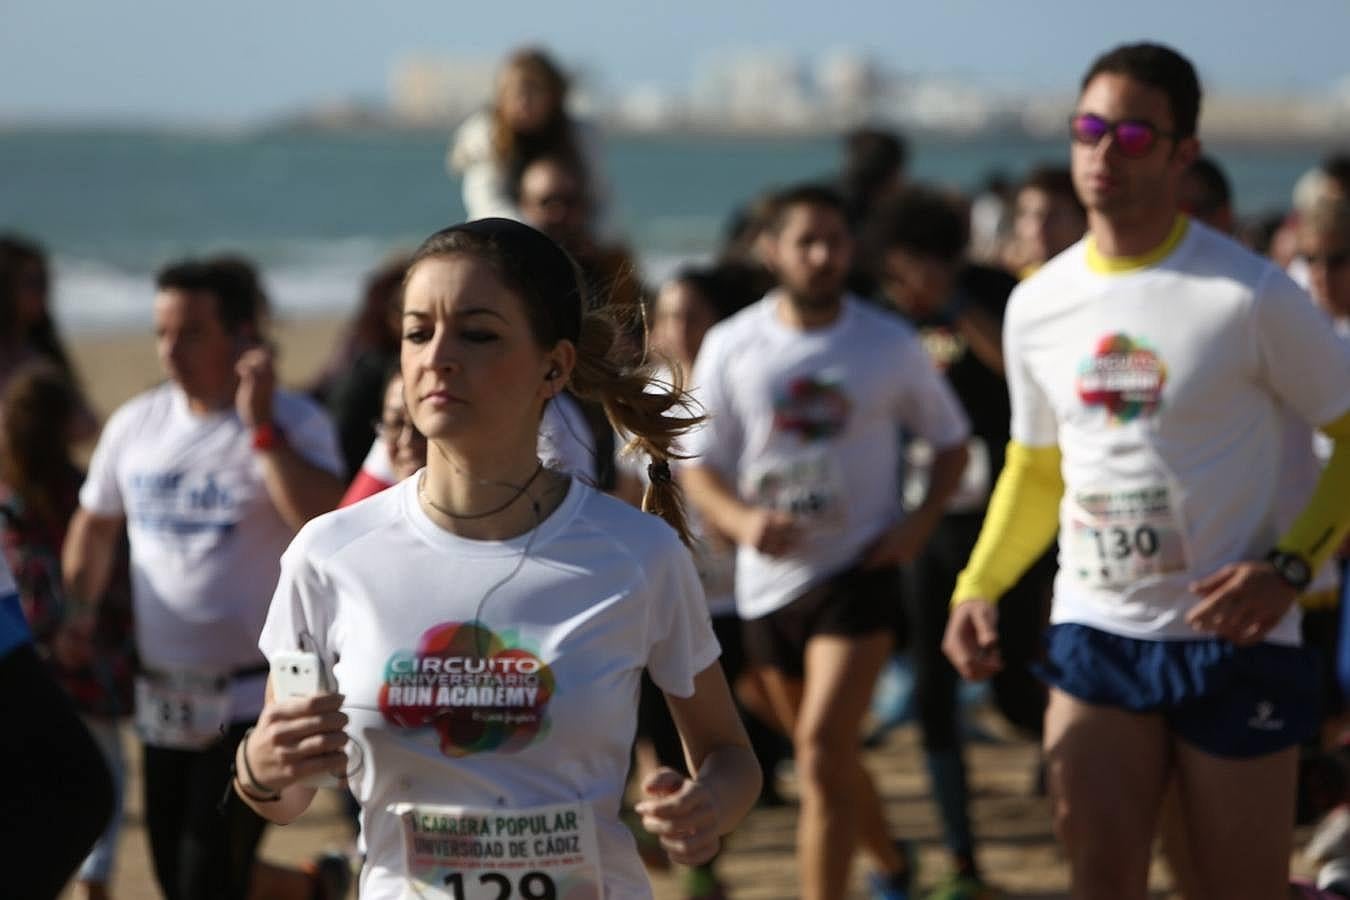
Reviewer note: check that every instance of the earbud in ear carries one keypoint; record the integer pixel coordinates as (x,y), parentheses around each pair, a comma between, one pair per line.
(552,374)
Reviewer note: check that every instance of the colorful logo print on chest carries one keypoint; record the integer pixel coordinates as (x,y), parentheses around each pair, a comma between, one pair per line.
(1124,376)
(814,406)
(481,691)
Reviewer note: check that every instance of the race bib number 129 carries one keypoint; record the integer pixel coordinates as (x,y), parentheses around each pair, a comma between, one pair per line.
(468,853)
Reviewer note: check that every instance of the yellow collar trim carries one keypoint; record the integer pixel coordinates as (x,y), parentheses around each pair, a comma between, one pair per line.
(1119,265)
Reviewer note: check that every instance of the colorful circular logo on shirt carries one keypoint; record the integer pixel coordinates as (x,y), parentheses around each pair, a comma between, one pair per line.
(1125,376)
(813,406)
(481,691)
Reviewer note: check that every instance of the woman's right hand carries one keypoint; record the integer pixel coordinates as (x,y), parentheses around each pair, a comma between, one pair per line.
(295,738)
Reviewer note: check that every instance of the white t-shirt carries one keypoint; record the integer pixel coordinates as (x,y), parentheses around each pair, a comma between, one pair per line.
(206,539)
(810,423)
(565,441)
(593,596)
(1164,388)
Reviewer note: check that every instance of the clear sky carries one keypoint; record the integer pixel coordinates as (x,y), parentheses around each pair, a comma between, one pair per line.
(171,60)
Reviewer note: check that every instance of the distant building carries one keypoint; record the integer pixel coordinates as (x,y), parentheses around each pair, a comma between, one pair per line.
(425,91)
(754,92)
(849,86)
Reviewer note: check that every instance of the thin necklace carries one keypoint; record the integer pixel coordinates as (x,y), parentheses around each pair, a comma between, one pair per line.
(422,492)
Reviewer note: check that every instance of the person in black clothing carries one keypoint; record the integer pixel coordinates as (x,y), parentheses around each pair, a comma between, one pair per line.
(353,386)
(919,242)
(59,794)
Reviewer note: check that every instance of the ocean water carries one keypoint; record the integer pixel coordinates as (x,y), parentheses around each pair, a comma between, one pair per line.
(319,210)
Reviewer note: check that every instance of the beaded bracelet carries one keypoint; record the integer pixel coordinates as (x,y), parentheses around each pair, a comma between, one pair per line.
(263,793)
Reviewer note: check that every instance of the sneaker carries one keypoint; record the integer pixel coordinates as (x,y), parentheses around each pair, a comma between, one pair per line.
(332,874)
(884,887)
(962,887)
(896,887)
(701,883)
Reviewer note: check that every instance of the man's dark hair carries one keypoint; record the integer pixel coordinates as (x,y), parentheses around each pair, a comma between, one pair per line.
(1338,167)
(1053,180)
(922,221)
(810,194)
(564,158)
(237,297)
(1158,67)
(872,157)
(1216,191)
(728,287)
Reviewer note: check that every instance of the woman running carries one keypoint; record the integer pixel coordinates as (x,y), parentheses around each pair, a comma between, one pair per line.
(486,621)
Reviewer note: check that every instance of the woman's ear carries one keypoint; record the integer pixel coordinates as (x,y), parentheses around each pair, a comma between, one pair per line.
(559,363)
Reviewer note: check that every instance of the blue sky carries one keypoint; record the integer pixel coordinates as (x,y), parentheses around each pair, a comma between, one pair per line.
(170,60)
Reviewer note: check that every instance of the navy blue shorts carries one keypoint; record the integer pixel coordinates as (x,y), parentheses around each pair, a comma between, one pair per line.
(1226,700)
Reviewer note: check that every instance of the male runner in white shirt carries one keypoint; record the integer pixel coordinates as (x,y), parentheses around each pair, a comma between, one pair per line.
(1149,367)
(212,472)
(806,393)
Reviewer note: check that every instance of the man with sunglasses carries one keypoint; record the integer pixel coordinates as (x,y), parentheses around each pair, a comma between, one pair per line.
(1148,368)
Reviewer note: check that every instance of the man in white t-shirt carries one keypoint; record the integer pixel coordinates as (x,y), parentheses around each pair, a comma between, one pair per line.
(212,473)
(1149,368)
(807,393)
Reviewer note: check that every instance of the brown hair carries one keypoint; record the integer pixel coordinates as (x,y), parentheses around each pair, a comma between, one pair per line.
(375,324)
(36,410)
(1054,180)
(17,253)
(552,289)
(1328,216)
(509,146)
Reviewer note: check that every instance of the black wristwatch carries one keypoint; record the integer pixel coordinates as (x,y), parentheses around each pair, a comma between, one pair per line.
(1293,568)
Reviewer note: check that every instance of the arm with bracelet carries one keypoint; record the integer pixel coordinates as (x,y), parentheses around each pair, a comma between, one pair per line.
(1243,601)
(1305,366)
(295,739)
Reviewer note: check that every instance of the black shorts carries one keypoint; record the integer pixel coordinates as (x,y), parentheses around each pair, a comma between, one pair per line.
(854,602)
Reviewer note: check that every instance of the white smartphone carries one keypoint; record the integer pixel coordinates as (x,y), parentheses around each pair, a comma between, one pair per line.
(297,674)
(301,674)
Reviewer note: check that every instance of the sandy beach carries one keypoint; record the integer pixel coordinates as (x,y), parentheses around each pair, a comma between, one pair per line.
(1018,852)
(116,366)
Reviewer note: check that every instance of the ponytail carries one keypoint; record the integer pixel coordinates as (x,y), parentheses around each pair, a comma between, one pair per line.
(650,412)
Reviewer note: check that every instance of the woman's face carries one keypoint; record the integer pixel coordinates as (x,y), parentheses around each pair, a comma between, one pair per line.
(527,101)
(680,319)
(475,377)
(1327,253)
(406,447)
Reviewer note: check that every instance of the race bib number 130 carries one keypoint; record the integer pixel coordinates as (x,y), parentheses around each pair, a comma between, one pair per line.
(468,853)
(1118,537)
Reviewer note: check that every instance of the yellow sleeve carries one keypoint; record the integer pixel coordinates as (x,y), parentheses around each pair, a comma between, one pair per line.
(1319,529)
(1021,522)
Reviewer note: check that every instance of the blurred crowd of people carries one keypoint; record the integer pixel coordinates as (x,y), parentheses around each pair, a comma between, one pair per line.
(145,597)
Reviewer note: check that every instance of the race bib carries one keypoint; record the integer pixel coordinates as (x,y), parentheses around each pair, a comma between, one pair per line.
(467,853)
(1120,536)
(715,560)
(971,495)
(810,487)
(182,709)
